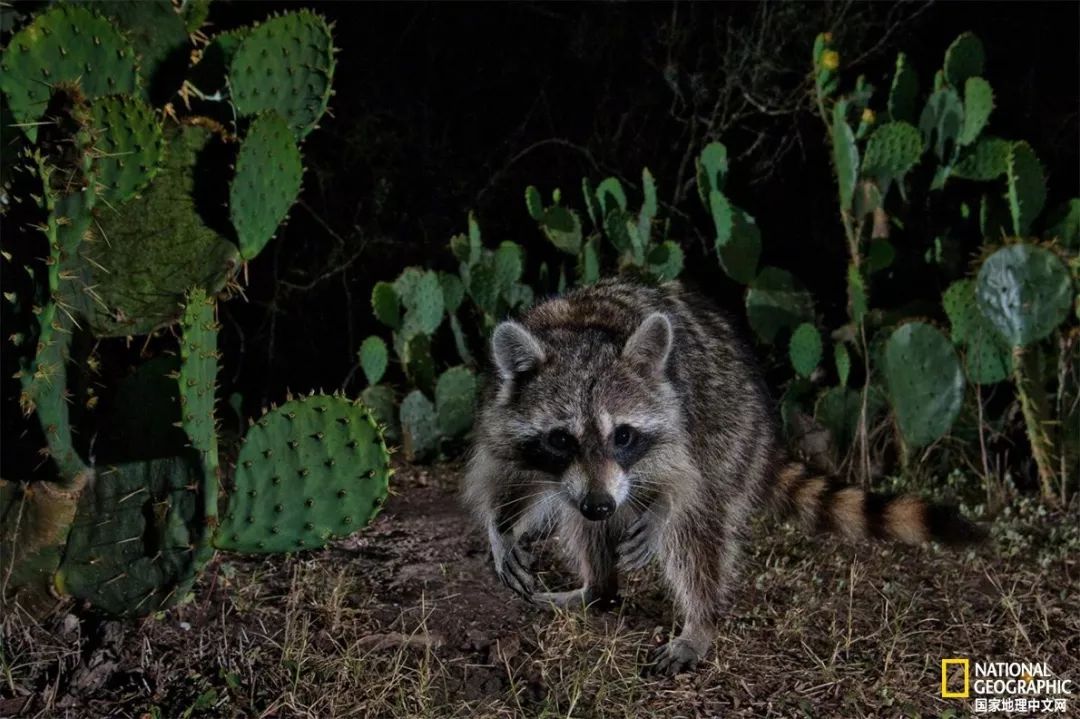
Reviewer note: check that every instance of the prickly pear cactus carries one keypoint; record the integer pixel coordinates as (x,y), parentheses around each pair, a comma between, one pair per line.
(892,151)
(1025,292)
(373,359)
(1027,187)
(66,44)
(924,381)
(455,397)
(132,545)
(314,469)
(266,184)
(419,426)
(129,148)
(805,349)
(285,64)
(987,356)
(777,302)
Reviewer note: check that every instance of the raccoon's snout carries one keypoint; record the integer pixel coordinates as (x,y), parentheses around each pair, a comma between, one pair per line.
(597,506)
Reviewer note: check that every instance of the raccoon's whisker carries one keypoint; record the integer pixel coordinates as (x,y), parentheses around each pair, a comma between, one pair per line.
(522,498)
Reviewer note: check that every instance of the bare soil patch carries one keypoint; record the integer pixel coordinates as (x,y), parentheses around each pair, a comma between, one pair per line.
(407,619)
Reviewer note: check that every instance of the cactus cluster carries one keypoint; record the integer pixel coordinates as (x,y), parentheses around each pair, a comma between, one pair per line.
(132,246)
(630,235)
(1023,291)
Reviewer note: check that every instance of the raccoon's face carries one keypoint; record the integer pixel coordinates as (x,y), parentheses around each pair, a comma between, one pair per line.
(585,412)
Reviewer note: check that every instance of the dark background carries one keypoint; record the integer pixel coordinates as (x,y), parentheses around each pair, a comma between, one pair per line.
(450,107)
(443,108)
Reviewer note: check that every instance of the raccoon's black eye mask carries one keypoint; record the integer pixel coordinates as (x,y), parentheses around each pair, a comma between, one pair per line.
(551,452)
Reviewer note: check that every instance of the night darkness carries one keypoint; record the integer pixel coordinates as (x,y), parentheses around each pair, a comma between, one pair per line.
(445,108)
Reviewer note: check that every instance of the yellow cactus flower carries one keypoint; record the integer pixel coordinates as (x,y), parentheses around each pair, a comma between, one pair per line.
(868,116)
(830,59)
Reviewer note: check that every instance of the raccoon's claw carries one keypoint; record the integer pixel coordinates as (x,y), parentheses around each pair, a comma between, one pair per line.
(675,657)
(636,548)
(514,572)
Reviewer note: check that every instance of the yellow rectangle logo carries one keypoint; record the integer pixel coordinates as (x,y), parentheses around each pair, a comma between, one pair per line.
(945,664)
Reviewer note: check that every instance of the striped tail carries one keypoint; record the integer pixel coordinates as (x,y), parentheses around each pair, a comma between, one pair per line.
(825,503)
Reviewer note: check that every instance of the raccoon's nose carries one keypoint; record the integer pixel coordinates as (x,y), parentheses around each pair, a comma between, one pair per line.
(597,505)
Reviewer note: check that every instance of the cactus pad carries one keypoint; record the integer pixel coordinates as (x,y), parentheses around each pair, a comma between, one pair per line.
(160,39)
(805,349)
(1025,292)
(1027,187)
(129,146)
(455,396)
(152,249)
(903,91)
(665,261)
(421,294)
(267,182)
(842,360)
(419,364)
(130,550)
(712,167)
(453,291)
(964,59)
(286,64)
(533,203)
(924,381)
(373,358)
(312,470)
(419,426)
(562,228)
(845,155)
(1063,224)
(978,104)
(941,121)
(198,377)
(777,301)
(386,305)
(987,357)
(892,151)
(987,160)
(64,44)
(509,260)
(380,400)
(610,196)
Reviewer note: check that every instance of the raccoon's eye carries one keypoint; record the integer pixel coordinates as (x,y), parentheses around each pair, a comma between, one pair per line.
(624,436)
(560,440)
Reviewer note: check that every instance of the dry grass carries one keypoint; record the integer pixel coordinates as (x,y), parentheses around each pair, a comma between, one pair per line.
(408,622)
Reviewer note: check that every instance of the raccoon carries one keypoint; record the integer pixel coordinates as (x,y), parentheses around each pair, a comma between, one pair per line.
(635,422)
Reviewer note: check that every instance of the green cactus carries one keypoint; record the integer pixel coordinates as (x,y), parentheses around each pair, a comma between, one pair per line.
(419,426)
(267,182)
(130,549)
(453,290)
(136,266)
(924,381)
(775,302)
(845,155)
(891,152)
(159,37)
(987,357)
(1063,224)
(740,255)
(66,44)
(804,350)
(610,196)
(712,168)
(455,396)
(562,228)
(839,409)
(129,148)
(649,204)
(509,261)
(987,160)
(941,123)
(1027,187)
(419,364)
(380,400)
(314,469)
(665,261)
(386,304)
(534,203)
(903,91)
(978,104)
(285,64)
(197,385)
(373,358)
(1025,292)
(964,59)
(842,360)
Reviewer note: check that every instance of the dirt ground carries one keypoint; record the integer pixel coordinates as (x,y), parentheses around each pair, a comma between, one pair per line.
(407,619)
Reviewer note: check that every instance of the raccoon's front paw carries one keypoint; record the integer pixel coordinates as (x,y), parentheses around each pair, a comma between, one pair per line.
(512,566)
(678,655)
(638,544)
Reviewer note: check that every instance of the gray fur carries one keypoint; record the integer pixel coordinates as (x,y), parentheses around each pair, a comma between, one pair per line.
(660,360)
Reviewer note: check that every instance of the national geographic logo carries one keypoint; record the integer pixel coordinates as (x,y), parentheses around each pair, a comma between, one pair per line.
(955,678)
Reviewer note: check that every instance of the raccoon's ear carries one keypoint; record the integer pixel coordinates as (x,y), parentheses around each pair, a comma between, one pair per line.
(515,350)
(650,344)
